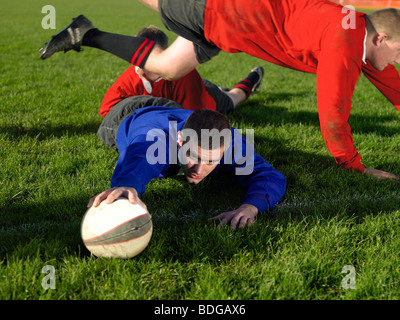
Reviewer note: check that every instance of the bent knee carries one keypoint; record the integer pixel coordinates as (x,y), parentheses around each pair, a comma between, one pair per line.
(153,4)
(174,73)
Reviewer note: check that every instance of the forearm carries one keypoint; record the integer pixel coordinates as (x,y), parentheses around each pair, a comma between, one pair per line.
(335,88)
(133,168)
(265,186)
(340,143)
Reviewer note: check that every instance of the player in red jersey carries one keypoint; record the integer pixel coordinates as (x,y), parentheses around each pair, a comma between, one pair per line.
(315,36)
(191,91)
(136,88)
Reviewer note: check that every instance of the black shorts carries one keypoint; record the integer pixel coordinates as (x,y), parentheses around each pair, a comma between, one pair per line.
(222,100)
(186,19)
(108,129)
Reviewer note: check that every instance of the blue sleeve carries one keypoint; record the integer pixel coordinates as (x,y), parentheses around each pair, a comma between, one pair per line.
(265,185)
(133,168)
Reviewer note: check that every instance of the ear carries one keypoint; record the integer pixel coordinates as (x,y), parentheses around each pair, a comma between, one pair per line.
(139,71)
(180,141)
(379,39)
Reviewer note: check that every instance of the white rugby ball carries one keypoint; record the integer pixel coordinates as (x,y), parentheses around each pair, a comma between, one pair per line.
(116,230)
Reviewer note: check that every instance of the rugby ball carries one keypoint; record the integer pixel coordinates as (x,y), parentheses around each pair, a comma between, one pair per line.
(116,230)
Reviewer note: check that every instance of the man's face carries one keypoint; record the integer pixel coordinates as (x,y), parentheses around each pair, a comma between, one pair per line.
(198,163)
(385,53)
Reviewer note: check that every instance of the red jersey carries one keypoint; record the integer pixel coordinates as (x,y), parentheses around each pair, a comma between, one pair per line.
(188,91)
(315,36)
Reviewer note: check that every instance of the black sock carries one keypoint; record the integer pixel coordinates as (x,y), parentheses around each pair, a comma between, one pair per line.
(248,83)
(135,50)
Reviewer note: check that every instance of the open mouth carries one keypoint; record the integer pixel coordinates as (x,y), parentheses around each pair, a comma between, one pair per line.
(194,176)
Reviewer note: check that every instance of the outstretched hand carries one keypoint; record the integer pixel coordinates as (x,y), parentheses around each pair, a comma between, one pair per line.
(113,194)
(244,215)
(381,175)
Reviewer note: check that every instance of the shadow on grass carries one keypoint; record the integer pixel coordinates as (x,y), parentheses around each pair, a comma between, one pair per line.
(42,133)
(252,112)
(268,113)
(29,226)
(182,233)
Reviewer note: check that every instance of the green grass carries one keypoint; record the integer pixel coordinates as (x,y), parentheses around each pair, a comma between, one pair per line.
(51,163)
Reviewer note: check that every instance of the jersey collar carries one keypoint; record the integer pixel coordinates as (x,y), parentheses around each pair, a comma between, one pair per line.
(147,84)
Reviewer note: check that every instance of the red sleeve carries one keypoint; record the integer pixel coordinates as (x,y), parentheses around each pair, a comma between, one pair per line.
(387,82)
(339,67)
(191,93)
(127,85)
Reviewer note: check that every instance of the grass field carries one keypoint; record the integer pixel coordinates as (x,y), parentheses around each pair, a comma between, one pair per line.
(51,163)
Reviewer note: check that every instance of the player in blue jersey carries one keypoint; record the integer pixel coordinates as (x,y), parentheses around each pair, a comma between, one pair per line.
(158,141)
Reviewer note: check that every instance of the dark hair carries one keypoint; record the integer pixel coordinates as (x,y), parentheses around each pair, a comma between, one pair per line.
(155,34)
(207,120)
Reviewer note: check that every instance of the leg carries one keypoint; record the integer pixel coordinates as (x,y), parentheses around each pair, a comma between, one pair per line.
(237,96)
(252,83)
(239,93)
(172,63)
(81,32)
(153,4)
(181,17)
(224,102)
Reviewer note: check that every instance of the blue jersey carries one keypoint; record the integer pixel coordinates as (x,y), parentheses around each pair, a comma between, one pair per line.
(147,142)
